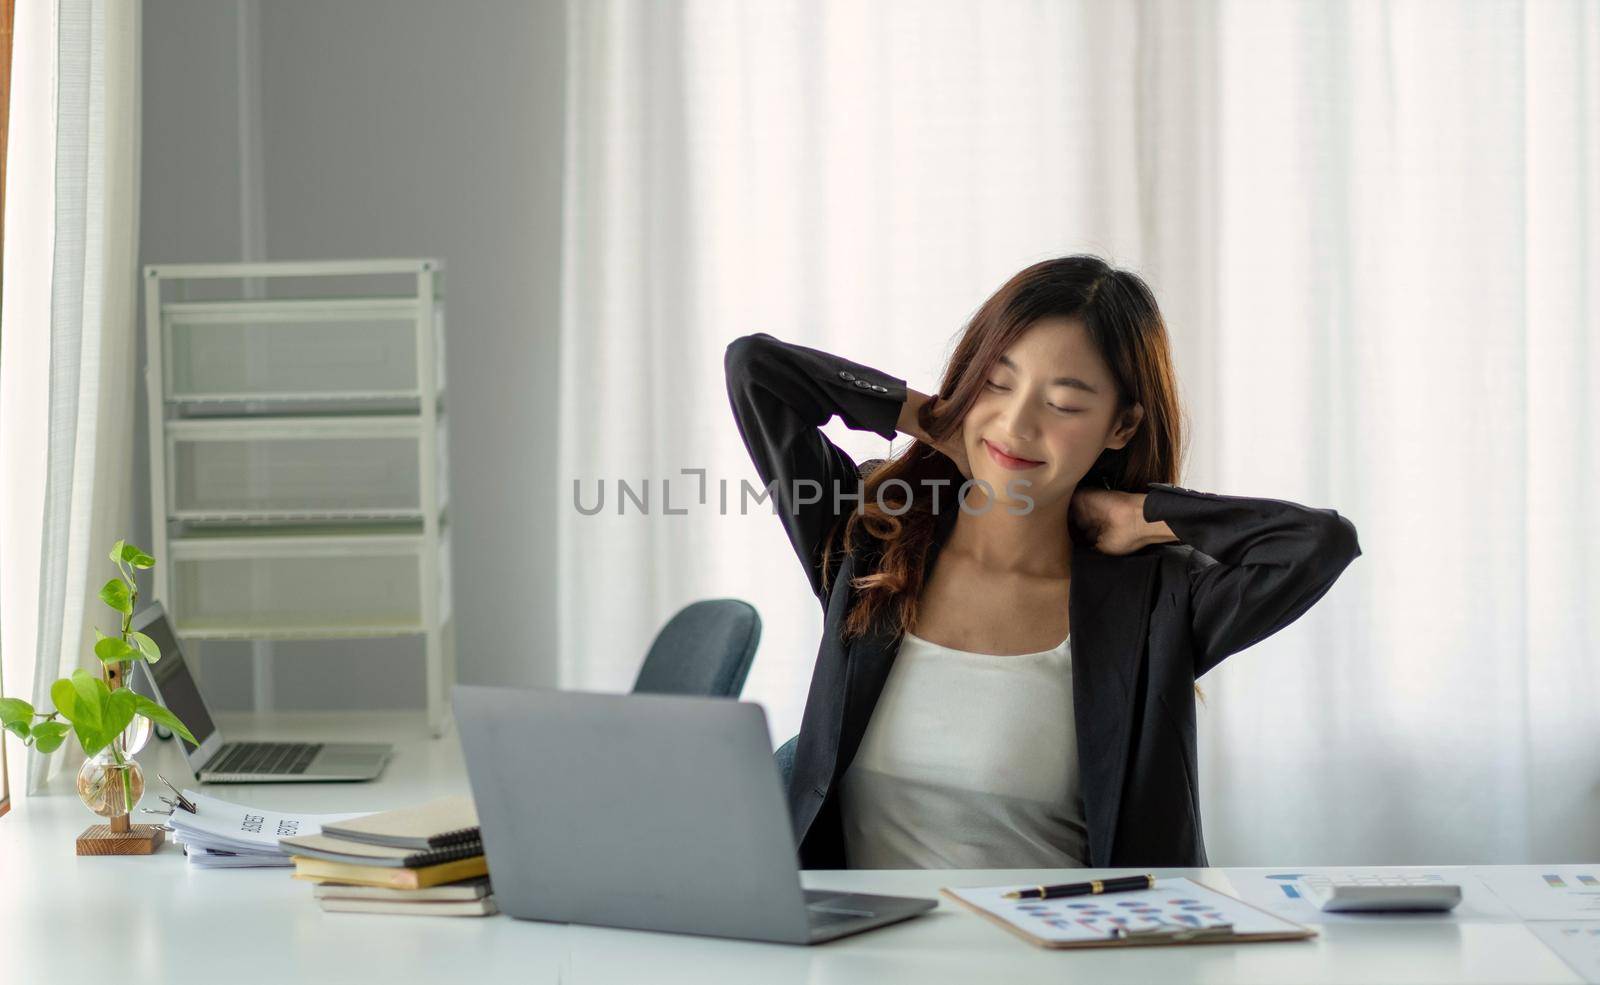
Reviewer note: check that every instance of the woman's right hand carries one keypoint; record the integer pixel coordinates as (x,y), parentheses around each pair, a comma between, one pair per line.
(951,448)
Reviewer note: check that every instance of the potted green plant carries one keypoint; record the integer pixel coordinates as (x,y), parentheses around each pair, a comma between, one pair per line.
(110,721)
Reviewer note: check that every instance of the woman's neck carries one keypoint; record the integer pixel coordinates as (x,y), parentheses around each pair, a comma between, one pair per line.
(1038,542)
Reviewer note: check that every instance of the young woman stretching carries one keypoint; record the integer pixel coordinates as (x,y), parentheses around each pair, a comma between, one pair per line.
(1018,605)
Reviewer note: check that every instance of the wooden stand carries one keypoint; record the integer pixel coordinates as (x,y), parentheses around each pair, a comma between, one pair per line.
(120,838)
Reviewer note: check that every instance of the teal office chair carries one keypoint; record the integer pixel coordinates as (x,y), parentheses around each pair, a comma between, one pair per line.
(705,649)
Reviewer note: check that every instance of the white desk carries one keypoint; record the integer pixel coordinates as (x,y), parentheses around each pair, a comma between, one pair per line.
(173,924)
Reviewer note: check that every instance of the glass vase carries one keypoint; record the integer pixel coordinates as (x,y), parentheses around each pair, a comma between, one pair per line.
(108,788)
(134,737)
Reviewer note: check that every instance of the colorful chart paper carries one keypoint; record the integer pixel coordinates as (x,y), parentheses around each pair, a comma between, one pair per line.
(1554,892)
(1174,903)
(1576,942)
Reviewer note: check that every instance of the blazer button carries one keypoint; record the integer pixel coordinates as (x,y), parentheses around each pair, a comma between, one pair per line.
(847,376)
(880,389)
(863,384)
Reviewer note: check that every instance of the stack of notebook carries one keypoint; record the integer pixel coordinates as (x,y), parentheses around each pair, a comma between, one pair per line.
(425,860)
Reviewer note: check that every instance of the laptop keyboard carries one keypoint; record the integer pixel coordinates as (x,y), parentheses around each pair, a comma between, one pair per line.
(266,758)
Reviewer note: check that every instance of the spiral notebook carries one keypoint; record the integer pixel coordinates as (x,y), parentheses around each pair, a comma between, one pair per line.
(442,830)
(441,822)
(355,853)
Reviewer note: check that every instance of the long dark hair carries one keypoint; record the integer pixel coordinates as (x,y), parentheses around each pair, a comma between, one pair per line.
(1120,313)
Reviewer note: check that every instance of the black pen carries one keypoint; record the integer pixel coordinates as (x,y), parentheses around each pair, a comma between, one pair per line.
(1092,888)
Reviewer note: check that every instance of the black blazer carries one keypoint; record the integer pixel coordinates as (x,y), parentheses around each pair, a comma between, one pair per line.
(1144,625)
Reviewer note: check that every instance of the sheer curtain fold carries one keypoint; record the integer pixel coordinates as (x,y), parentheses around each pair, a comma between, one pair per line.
(1370,228)
(68,451)
(24,344)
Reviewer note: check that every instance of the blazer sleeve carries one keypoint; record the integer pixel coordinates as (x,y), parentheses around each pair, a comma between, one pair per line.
(1256,565)
(782,394)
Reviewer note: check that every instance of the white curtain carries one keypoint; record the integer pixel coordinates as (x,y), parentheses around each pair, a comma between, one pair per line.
(1372,228)
(67,372)
(25,344)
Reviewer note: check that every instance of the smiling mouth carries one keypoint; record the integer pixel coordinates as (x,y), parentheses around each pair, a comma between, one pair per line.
(1007,460)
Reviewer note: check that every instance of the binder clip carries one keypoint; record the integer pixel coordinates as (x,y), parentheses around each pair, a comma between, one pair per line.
(182,801)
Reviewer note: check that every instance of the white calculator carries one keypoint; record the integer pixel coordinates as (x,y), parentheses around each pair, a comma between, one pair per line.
(1380,891)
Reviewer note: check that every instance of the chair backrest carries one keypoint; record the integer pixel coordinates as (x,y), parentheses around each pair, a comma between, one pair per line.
(705,649)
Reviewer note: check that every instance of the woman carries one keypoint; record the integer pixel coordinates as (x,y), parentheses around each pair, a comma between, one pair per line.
(1006,676)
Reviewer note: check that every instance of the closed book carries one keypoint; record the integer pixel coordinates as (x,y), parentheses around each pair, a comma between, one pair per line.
(321,870)
(414,908)
(357,853)
(441,822)
(470,890)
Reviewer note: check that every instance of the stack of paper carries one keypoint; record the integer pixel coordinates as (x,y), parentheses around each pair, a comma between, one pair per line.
(221,835)
(423,861)
(458,899)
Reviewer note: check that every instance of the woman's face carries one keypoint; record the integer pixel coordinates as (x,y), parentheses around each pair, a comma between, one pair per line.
(1046,412)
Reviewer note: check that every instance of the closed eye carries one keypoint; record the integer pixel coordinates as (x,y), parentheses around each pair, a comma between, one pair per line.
(991,384)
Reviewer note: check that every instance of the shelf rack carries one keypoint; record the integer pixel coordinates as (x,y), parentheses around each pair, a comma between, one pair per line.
(298,454)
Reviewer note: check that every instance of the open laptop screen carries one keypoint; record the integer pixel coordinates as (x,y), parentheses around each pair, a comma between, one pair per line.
(175,684)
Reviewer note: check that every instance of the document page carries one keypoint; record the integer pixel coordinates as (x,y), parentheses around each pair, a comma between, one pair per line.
(225,826)
(1547,892)
(1577,942)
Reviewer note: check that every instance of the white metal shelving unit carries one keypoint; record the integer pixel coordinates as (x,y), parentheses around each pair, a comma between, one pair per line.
(298,455)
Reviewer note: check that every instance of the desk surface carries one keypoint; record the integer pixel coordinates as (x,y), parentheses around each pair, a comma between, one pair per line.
(168,922)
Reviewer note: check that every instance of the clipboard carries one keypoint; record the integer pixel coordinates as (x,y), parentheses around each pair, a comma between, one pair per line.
(1176,911)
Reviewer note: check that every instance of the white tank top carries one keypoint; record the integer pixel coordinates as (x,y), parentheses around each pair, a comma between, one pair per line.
(970,761)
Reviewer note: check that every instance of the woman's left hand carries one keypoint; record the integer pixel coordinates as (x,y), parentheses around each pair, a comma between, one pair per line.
(1111,521)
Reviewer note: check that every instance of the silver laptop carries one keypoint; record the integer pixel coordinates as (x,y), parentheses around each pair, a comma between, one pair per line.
(215,761)
(645,811)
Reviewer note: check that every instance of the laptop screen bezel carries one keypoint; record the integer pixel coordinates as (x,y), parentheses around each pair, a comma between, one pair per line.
(209,744)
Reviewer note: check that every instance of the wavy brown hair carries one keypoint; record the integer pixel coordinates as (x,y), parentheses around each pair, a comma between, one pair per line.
(1121,316)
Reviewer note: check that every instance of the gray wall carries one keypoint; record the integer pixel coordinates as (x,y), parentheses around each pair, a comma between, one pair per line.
(363,128)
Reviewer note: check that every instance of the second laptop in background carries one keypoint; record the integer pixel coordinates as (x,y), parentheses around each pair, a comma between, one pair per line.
(214,761)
